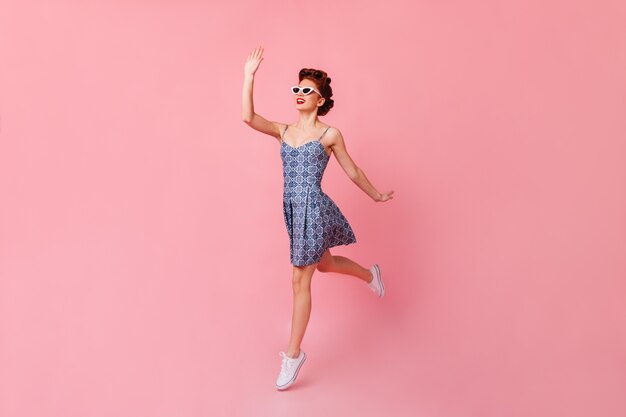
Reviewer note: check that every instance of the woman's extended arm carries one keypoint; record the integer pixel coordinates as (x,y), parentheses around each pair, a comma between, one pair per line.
(248,115)
(355,173)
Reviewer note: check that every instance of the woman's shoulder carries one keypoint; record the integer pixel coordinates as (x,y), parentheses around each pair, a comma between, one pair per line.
(332,136)
(332,131)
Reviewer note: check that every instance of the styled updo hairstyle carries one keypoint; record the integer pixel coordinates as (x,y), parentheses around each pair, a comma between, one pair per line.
(322,81)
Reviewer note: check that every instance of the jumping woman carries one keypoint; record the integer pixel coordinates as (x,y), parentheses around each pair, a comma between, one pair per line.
(314,222)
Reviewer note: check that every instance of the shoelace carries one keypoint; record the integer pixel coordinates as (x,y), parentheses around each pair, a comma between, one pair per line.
(287,363)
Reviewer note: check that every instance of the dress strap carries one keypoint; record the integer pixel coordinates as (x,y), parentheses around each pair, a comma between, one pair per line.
(320,138)
(283,135)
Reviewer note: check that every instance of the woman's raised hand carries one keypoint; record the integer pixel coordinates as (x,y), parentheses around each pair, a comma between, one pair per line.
(253,61)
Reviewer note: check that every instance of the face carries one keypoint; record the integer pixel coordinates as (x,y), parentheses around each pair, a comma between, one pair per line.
(308,102)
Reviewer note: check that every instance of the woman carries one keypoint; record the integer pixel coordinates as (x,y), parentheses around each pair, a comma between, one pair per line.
(314,222)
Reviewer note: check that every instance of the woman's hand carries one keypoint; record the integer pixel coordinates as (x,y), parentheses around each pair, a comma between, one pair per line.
(253,61)
(384,196)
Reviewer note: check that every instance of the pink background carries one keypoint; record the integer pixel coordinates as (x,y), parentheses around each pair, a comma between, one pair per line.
(144,260)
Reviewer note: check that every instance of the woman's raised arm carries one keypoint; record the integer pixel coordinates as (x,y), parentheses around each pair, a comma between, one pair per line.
(248,114)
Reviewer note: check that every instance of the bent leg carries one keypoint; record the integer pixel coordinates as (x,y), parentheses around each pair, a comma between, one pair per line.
(343,265)
(301,306)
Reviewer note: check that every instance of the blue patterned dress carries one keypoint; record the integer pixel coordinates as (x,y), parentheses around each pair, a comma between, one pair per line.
(314,222)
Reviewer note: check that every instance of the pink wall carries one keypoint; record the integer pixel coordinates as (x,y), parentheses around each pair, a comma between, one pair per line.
(144,261)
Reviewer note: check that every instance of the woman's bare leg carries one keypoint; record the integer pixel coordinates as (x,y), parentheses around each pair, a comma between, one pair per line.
(301,283)
(343,265)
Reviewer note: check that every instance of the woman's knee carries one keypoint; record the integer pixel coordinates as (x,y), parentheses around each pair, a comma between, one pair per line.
(326,263)
(301,278)
(324,267)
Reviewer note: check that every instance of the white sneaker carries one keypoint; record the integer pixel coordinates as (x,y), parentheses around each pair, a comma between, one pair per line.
(377,282)
(289,369)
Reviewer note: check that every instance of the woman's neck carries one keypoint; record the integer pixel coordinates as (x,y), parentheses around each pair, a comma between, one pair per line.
(307,121)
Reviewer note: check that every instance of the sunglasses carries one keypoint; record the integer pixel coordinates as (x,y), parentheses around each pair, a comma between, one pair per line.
(305,90)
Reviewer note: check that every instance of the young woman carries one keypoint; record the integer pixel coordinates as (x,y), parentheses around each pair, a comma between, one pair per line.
(314,222)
